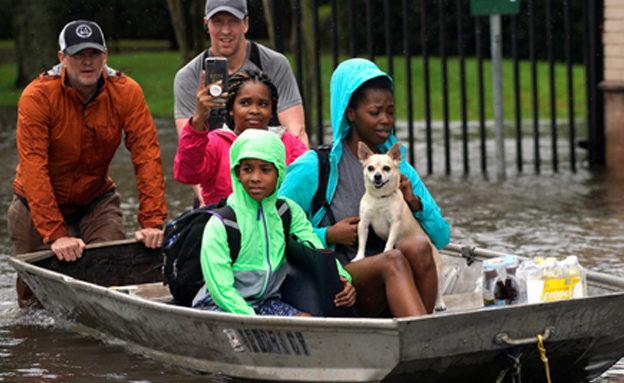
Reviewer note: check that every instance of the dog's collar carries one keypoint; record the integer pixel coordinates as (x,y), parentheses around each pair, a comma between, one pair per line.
(388,195)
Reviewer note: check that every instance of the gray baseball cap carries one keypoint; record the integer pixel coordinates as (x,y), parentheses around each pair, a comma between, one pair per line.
(81,34)
(238,8)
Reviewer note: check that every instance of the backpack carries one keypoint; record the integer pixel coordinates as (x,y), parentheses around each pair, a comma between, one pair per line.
(182,245)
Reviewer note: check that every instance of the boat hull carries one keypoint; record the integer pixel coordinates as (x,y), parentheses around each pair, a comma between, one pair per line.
(584,336)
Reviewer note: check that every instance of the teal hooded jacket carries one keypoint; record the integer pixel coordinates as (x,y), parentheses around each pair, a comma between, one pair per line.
(301,180)
(260,268)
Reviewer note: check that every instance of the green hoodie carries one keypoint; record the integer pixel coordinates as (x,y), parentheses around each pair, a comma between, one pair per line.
(260,267)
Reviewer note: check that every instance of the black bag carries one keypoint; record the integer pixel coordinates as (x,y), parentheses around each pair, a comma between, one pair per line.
(182,244)
(313,281)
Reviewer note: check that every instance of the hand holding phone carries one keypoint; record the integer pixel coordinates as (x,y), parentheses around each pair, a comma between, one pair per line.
(216,70)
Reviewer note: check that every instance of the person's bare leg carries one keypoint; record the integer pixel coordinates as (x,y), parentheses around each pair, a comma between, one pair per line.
(386,279)
(417,250)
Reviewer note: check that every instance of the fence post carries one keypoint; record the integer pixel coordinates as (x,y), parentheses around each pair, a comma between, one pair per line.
(495,9)
(497,82)
(594,75)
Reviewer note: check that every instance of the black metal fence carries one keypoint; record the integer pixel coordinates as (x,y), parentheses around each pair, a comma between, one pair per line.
(554,32)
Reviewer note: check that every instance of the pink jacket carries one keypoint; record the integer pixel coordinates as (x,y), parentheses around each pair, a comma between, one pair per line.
(204,158)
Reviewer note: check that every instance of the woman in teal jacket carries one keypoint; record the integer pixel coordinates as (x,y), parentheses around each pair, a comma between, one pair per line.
(362,109)
(251,284)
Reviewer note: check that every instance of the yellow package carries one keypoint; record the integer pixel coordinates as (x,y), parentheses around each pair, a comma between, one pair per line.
(554,289)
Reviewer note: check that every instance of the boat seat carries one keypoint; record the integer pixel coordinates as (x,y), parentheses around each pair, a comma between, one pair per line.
(463,302)
(156,291)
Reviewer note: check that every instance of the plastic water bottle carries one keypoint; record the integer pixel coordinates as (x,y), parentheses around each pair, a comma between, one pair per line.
(489,277)
(572,269)
(551,269)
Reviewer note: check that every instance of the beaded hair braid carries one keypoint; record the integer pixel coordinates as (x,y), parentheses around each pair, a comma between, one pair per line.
(236,82)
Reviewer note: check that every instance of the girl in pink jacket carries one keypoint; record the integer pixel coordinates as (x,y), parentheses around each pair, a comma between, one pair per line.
(203,156)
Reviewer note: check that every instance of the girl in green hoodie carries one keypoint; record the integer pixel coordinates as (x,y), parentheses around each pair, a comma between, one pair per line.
(251,284)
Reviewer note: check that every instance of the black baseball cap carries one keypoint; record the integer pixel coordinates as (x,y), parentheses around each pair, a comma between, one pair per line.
(81,34)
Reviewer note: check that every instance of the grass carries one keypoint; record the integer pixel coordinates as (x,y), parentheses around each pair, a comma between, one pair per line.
(9,95)
(155,71)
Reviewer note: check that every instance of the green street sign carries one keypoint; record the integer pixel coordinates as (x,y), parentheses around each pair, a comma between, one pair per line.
(494,7)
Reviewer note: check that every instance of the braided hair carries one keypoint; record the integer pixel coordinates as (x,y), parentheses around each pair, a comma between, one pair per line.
(236,82)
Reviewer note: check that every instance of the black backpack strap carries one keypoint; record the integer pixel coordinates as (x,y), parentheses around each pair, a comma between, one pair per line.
(320,199)
(203,59)
(284,212)
(254,55)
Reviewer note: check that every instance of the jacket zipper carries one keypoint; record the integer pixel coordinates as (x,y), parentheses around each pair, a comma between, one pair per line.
(266,241)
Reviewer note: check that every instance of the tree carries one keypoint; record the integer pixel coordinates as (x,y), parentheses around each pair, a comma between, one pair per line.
(186,19)
(268,17)
(36,41)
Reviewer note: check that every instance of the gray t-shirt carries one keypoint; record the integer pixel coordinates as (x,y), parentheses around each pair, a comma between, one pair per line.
(274,64)
(346,203)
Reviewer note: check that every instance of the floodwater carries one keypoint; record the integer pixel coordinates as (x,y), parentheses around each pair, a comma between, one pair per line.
(547,214)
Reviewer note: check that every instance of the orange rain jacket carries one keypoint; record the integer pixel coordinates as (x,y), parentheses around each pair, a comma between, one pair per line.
(65,148)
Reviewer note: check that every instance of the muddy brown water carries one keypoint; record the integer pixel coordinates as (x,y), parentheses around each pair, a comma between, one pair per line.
(550,214)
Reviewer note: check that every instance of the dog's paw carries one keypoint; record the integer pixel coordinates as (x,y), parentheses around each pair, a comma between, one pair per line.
(440,308)
(357,258)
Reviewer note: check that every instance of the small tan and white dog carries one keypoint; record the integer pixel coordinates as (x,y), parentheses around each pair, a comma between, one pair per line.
(384,209)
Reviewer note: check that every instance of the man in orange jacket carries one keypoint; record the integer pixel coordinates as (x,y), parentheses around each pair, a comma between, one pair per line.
(70,123)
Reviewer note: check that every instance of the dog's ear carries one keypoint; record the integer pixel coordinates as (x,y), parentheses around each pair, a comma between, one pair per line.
(364,152)
(395,153)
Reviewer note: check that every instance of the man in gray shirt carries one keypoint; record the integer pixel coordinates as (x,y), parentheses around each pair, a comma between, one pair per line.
(227,21)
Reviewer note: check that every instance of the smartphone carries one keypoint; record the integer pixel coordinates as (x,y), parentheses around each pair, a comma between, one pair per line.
(216,69)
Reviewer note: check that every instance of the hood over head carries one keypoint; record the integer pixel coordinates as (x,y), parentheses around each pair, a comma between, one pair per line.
(263,145)
(346,79)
